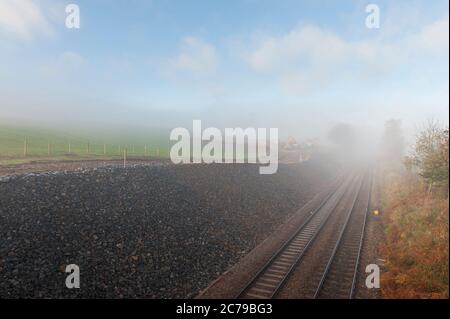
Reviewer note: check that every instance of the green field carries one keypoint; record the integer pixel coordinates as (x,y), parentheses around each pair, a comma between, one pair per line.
(21,145)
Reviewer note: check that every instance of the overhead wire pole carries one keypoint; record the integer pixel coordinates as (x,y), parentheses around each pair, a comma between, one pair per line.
(25,147)
(124,157)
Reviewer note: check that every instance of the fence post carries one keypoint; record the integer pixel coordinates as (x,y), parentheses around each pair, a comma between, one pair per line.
(145,150)
(70,148)
(104,149)
(88,147)
(25,147)
(124,157)
(49,148)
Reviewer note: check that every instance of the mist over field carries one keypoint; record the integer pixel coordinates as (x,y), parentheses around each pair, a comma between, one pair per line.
(304,76)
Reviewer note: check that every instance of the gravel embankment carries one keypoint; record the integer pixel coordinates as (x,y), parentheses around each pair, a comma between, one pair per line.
(140,232)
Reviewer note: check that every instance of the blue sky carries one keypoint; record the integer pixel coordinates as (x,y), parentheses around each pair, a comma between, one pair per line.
(298,65)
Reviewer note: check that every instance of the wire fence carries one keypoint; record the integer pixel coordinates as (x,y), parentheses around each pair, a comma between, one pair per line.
(30,147)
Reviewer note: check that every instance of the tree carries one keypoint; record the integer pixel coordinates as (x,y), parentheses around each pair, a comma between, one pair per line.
(430,154)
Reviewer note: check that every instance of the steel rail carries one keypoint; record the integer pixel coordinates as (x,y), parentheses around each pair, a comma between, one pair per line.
(339,240)
(355,272)
(275,288)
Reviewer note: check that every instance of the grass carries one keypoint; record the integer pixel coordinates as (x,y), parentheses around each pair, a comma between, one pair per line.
(48,145)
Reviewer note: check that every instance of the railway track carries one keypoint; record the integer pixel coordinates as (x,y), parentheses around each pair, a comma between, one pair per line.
(339,277)
(274,274)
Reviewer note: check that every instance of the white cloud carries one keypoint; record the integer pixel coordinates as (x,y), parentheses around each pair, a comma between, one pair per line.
(196,57)
(309,58)
(23,19)
(432,37)
(307,42)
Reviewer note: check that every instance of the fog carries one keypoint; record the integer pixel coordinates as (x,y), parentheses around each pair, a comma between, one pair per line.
(130,72)
(106,118)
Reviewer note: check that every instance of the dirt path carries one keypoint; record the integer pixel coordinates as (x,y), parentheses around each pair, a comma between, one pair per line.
(76,164)
(50,166)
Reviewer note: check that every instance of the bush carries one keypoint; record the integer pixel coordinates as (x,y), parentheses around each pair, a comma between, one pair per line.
(416,247)
(430,155)
(417,221)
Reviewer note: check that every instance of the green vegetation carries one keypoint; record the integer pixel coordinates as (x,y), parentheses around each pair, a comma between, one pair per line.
(22,145)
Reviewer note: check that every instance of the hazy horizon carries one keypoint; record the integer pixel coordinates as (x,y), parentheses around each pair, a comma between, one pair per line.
(300,66)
